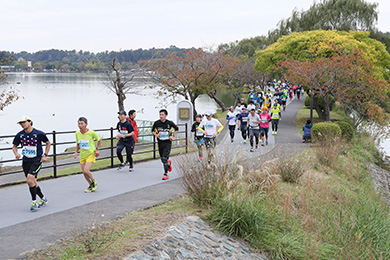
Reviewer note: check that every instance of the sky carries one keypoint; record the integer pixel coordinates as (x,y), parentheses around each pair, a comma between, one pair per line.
(114,25)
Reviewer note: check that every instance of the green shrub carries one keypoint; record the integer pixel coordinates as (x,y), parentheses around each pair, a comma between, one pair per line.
(347,130)
(324,131)
(320,102)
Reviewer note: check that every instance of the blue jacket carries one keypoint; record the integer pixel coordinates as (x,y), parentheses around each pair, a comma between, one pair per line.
(307,130)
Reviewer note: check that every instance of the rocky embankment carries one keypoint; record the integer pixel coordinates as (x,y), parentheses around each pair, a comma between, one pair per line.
(195,239)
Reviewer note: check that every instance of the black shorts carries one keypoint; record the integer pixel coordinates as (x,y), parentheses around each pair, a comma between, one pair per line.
(284,102)
(32,168)
(264,131)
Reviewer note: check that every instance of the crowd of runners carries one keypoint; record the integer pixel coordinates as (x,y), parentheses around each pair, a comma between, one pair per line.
(252,120)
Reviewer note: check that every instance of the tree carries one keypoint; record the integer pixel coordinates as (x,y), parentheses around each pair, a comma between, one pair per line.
(189,76)
(7,96)
(323,44)
(120,82)
(349,79)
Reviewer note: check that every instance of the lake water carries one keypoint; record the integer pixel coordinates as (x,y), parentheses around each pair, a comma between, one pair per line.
(54,101)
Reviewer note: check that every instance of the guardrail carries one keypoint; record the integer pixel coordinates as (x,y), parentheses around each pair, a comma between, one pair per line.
(144,134)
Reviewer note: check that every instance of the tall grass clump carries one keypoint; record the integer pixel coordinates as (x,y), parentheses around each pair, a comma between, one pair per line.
(290,170)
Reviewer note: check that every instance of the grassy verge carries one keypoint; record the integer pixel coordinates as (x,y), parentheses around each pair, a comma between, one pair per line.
(320,204)
(117,239)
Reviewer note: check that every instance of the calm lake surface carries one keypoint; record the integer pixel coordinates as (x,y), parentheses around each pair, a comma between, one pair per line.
(54,101)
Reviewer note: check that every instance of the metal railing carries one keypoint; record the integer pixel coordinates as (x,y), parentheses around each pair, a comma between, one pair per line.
(145,134)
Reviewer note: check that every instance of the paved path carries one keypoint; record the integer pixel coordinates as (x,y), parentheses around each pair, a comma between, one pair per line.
(119,192)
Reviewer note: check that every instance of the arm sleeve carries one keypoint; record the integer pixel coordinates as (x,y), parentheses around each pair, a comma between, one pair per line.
(220,128)
(193,128)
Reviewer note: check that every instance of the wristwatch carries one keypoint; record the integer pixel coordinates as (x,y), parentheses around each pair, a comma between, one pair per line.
(45,154)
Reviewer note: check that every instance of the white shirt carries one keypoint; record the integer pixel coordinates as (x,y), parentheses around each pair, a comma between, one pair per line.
(210,126)
(233,119)
(250,107)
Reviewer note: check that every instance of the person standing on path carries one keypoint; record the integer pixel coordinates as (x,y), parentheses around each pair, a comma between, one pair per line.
(212,127)
(265,118)
(198,136)
(131,118)
(31,140)
(165,130)
(232,117)
(242,123)
(85,140)
(125,140)
(254,130)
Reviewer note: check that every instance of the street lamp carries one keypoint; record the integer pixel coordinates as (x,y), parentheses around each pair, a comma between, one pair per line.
(311,87)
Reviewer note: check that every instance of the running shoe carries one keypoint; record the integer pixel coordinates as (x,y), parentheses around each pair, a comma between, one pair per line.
(165,177)
(42,202)
(276,132)
(170,165)
(266,142)
(251,149)
(34,206)
(94,185)
(121,166)
(273,132)
(244,141)
(257,147)
(130,169)
(231,140)
(262,144)
(89,189)
(200,158)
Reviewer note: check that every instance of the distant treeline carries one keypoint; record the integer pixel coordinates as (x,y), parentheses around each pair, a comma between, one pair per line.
(64,60)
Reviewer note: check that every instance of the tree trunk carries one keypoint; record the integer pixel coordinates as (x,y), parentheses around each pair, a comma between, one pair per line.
(213,95)
(326,107)
(318,109)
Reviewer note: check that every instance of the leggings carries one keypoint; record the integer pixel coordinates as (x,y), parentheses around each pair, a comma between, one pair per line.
(129,151)
(232,128)
(275,123)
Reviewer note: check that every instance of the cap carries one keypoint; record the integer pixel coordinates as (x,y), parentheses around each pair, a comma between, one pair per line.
(24,119)
(208,113)
(122,112)
(199,115)
(244,108)
(232,107)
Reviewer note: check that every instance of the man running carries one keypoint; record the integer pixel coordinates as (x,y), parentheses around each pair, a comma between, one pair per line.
(254,130)
(131,118)
(31,141)
(231,116)
(125,140)
(212,127)
(275,116)
(284,98)
(242,123)
(165,130)
(265,118)
(85,140)
(198,136)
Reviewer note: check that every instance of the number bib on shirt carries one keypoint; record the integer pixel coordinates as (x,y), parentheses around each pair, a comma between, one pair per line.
(244,119)
(164,135)
(264,120)
(199,133)
(276,115)
(29,151)
(124,132)
(84,144)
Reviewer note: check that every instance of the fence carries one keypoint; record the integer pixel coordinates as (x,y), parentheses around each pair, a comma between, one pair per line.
(147,141)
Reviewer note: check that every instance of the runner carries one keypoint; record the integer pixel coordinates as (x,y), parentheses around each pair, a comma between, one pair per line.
(267,101)
(238,108)
(31,140)
(284,98)
(211,127)
(243,104)
(242,123)
(131,118)
(252,96)
(264,126)
(198,136)
(125,140)
(275,117)
(165,130)
(85,140)
(231,116)
(299,89)
(254,130)
(251,106)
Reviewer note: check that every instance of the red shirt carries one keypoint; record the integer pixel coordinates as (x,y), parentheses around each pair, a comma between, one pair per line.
(136,132)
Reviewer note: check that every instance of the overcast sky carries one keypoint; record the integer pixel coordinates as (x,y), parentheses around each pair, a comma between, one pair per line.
(114,25)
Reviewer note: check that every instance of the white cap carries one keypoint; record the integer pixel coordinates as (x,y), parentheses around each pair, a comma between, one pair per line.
(208,113)
(24,119)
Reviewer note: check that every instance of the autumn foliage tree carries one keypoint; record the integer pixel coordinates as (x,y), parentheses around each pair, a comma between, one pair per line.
(196,72)
(346,78)
(7,96)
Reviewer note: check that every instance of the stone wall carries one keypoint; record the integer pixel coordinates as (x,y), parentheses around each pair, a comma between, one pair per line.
(381,179)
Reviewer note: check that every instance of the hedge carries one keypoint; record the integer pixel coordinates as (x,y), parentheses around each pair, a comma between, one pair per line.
(347,130)
(325,130)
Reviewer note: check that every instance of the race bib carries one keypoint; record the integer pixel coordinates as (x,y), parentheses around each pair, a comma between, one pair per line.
(244,119)
(164,135)
(124,132)
(209,126)
(29,151)
(199,133)
(84,144)
(276,115)
(251,122)
(264,120)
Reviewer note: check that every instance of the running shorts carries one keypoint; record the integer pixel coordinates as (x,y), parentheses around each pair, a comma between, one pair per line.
(89,158)
(32,168)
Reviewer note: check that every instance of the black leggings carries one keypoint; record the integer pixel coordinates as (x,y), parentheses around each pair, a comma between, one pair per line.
(164,149)
(244,131)
(129,151)
(232,128)
(275,123)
